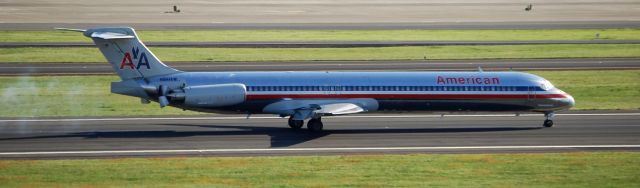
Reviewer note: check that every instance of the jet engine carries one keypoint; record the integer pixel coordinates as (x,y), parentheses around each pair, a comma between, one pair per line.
(209,95)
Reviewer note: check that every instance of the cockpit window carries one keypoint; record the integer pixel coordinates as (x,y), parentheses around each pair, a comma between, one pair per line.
(546,85)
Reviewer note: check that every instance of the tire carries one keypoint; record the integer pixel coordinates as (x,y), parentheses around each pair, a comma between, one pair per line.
(314,125)
(548,123)
(295,124)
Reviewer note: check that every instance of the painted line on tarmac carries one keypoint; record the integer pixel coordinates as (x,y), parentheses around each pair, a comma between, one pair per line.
(352,149)
(275,117)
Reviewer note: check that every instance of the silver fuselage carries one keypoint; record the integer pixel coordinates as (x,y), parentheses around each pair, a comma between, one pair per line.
(394,91)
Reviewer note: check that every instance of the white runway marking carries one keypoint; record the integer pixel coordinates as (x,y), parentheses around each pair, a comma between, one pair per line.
(271,150)
(275,117)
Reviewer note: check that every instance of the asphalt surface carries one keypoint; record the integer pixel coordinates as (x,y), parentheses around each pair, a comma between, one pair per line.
(324,14)
(320,44)
(22,69)
(266,135)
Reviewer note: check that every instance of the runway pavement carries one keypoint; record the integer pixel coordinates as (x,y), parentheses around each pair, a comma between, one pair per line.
(22,69)
(320,44)
(267,135)
(326,14)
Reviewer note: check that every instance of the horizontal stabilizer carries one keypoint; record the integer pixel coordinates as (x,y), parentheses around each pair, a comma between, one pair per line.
(69,29)
(111,35)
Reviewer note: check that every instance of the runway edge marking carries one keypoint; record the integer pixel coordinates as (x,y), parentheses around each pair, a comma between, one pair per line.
(266,150)
(274,117)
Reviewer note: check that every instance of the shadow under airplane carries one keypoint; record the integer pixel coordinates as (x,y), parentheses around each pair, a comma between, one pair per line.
(280,136)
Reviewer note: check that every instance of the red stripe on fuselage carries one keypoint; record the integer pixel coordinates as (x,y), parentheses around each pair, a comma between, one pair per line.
(404,96)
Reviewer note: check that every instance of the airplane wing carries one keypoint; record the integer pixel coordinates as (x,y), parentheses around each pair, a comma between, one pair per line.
(304,109)
(339,109)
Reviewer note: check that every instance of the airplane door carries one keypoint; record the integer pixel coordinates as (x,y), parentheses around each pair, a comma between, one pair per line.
(328,89)
(332,88)
(531,93)
(338,90)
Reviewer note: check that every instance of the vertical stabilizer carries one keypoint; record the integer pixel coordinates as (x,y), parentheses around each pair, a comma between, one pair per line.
(128,56)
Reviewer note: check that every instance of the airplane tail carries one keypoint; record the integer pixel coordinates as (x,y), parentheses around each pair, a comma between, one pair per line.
(128,56)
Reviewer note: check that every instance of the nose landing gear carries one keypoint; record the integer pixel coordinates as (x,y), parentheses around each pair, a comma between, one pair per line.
(548,122)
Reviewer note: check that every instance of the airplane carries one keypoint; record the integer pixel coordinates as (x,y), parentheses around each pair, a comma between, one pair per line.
(307,95)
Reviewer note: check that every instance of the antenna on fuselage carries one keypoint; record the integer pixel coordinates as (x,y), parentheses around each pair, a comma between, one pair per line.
(480,69)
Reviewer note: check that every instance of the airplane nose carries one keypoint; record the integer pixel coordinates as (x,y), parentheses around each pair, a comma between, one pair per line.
(569,101)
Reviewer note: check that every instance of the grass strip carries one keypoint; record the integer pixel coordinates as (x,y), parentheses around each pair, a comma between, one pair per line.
(90,95)
(337,35)
(582,169)
(35,55)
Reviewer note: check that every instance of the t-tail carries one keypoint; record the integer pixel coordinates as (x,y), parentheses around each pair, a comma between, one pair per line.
(128,56)
(133,62)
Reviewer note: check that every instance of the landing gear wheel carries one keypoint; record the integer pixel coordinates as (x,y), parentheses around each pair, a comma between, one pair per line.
(295,124)
(548,122)
(315,125)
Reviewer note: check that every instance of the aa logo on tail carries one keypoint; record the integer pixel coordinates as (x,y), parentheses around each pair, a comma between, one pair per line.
(128,61)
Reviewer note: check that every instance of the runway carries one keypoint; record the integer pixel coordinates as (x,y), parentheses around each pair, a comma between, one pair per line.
(268,135)
(23,69)
(318,44)
(328,14)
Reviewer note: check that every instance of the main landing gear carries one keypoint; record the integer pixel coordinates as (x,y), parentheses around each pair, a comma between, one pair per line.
(295,124)
(548,122)
(314,125)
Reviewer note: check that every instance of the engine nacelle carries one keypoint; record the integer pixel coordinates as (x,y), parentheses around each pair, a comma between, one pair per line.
(215,95)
